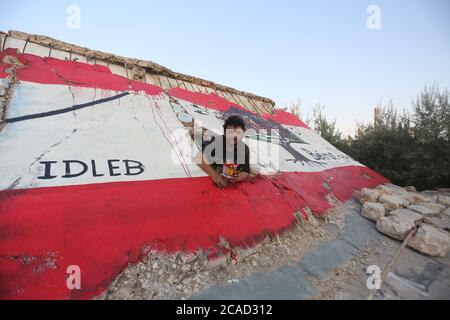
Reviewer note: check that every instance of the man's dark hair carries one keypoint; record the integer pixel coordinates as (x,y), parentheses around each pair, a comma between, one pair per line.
(234,121)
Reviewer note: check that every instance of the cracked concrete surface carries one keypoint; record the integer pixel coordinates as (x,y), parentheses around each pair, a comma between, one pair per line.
(336,269)
(264,269)
(179,276)
(39,157)
(326,259)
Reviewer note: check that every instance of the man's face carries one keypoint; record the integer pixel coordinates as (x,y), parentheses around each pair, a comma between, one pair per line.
(234,134)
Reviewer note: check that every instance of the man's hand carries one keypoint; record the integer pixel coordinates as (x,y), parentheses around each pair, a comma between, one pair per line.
(220,181)
(202,162)
(243,176)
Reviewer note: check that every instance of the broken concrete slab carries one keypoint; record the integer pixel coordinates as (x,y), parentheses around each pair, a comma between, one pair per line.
(323,258)
(263,286)
(384,189)
(393,202)
(405,287)
(446,211)
(399,223)
(436,207)
(431,241)
(415,198)
(423,210)
(410,188)
(426,276)
(391,189)
(217,262)
(444,200)
(359,231)
(369,195)
(440,221)
(417,276)
(430,194)
(396,189)
(373,211)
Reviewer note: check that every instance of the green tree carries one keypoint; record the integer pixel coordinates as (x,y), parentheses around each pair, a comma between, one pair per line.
(431,155)
(326,128)
(407,149)
(384,145)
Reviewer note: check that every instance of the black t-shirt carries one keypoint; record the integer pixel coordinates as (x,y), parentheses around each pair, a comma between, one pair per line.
(236,160)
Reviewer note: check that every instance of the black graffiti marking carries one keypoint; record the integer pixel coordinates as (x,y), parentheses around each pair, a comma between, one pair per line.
(68,171)
(47,174)
(138,166)
(112,167)
(65,110)
(286,137)
(94,170)
(325,155)
(76,168)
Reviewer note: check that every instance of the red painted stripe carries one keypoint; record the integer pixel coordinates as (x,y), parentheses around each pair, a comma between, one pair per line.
(211,101)
(102,227)
(3,66)
(56,71)
(284,117)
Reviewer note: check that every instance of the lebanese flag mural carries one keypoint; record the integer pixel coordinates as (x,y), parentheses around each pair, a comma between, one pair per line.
(95,169)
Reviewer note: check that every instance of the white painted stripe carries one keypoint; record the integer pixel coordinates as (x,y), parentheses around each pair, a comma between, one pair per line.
(135,127)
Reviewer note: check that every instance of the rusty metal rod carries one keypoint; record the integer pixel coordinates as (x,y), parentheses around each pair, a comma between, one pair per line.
(393,261)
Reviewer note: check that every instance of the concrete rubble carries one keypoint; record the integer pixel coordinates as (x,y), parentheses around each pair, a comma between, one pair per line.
(446,211)
(372,211)
(369,195)
(165,275)
(254,271)
(436,207)
(423,210)
(431,241)
(398,223)
(405,208)
(393,202)
(444,200)
(440,221)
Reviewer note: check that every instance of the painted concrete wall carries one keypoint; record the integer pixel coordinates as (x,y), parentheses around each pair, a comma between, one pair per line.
(94,167)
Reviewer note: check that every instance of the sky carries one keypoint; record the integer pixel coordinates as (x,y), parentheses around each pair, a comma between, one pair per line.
(336,53)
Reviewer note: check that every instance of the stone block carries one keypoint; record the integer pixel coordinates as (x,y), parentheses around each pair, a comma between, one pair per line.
(431,241)
(393,202)
(399,223)
(372,211)
(369,195)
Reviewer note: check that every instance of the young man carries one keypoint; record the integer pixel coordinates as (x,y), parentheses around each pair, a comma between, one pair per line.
(226,158)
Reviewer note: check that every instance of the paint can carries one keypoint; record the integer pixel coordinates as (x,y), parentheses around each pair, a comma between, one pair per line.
(230,170)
